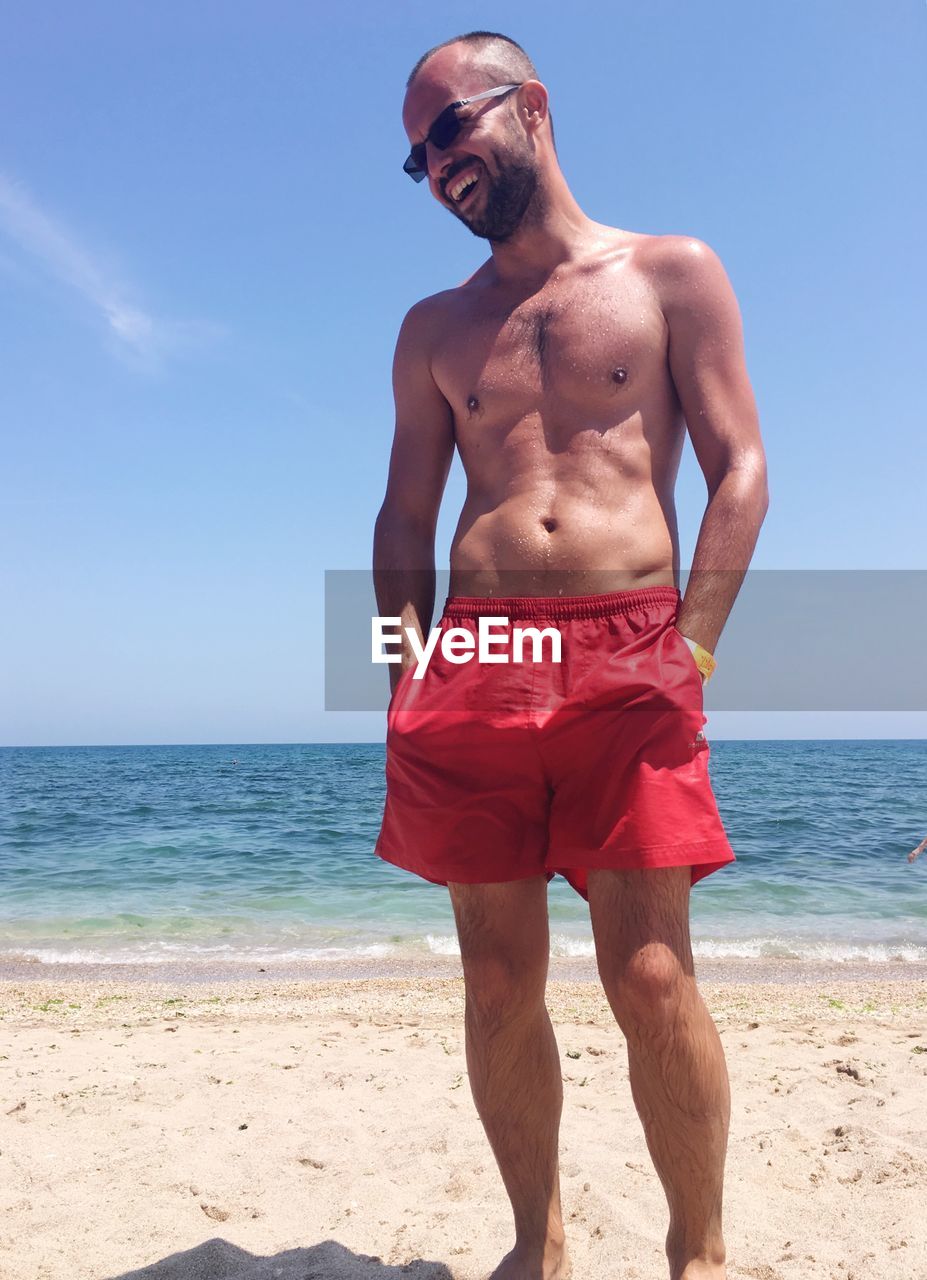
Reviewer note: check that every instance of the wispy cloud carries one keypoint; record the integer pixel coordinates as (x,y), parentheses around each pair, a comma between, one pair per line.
(138,335)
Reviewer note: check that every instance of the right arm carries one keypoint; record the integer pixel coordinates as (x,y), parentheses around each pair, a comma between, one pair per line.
(423,448)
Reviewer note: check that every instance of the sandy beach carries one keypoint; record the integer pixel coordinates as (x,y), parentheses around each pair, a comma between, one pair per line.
(260,1127)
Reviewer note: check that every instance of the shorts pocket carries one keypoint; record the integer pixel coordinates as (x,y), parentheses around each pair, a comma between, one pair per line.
(398,693)
(693,665)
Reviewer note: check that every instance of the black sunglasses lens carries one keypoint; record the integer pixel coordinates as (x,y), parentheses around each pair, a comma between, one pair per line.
(441,134)
(415,163)
(445,129)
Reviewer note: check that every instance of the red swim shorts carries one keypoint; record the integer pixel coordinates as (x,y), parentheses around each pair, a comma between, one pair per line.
(502,770)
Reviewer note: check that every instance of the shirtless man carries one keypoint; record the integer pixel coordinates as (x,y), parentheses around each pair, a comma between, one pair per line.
(565,371)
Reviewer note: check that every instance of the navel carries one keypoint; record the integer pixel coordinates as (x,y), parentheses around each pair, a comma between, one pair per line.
(472,404)
(619,376)
(549,524)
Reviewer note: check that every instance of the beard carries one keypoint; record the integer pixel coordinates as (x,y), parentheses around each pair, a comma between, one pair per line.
(512,199)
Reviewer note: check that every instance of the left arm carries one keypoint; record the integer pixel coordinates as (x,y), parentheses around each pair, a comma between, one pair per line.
(706,358)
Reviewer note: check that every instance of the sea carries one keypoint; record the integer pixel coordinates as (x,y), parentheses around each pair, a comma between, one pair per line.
(219,859)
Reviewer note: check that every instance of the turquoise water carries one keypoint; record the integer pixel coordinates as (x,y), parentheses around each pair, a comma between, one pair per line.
(218,853)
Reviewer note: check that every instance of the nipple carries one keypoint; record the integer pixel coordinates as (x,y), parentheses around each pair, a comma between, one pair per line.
(473,404)
(620,376)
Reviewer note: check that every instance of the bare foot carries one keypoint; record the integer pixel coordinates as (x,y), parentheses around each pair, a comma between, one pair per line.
(519,1265)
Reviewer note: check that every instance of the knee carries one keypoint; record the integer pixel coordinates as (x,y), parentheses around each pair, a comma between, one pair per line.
(498,993)
(645,989)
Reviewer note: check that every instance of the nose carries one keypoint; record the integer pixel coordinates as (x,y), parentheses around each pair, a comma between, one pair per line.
(438,163)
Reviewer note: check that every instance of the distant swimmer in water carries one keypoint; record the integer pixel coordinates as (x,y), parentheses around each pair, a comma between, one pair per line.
(918,851)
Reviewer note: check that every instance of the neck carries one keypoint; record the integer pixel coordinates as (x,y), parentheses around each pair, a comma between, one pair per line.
(557,235)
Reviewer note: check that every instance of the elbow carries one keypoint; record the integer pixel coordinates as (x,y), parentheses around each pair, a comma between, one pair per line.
(402,537)
(395,521)
(747,477)
(756,482)
(761,485)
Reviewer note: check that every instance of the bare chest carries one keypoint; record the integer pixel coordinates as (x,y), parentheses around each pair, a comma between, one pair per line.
(580,351)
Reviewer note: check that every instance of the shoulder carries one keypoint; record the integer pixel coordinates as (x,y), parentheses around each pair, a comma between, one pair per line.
(676,256)
(431,314)
(432,318)
(420,328)
(683,270)
(424,313)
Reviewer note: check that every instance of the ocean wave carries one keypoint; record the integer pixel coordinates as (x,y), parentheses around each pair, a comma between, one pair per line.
(562,946)
(191,953)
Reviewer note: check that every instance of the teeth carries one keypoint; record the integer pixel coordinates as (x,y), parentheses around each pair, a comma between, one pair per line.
(461,186)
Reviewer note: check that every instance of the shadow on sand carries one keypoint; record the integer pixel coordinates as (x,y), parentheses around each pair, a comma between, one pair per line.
(219,1260)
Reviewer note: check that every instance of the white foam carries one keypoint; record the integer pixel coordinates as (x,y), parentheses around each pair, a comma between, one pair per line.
(824,951)
(443,945)
(562,945)
(172,954)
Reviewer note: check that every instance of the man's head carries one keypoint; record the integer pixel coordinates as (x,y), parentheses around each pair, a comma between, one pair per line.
(491,175)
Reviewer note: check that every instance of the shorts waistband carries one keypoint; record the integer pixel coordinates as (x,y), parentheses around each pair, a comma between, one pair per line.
(561,608)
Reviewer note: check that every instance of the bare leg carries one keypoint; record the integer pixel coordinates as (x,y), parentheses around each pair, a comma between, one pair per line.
(513,1061)
(678,1074)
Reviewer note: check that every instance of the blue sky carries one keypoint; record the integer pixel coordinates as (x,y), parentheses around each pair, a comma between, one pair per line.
(207,246)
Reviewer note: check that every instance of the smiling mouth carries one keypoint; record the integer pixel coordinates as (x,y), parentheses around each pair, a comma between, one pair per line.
(460,190)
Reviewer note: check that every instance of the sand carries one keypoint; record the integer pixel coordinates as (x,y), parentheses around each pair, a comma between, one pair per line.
(324,1130)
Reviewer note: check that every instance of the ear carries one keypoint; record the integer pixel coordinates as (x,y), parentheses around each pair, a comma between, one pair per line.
(532,104)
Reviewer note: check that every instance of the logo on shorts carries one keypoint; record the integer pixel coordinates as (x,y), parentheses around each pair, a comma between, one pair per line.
(459,645)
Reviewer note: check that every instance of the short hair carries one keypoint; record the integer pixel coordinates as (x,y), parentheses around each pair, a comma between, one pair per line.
(498,58)
(497,55)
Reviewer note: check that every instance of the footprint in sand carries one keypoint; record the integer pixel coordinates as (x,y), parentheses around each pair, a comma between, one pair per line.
(848,1069)
(213,1211)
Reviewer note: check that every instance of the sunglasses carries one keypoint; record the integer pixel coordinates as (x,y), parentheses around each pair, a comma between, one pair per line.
(445,129)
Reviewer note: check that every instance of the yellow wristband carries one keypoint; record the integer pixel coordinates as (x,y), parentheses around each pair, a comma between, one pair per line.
(703,659)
